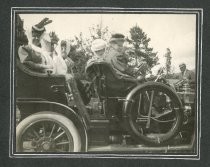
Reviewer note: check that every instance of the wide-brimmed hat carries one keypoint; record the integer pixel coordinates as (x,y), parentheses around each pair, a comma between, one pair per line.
(117,37)
(98,44)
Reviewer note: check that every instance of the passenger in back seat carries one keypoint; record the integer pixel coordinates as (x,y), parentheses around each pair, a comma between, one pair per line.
(31,52)
(98,48)
(31,58)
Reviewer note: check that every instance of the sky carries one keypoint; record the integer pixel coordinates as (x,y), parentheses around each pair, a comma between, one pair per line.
(174,31)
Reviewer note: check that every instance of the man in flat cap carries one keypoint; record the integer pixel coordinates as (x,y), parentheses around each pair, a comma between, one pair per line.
(186,74)
(117,57)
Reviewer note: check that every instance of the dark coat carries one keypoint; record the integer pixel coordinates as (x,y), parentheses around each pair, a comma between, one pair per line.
(189,75)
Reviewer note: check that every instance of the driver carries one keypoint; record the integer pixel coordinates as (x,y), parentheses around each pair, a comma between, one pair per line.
(117,57)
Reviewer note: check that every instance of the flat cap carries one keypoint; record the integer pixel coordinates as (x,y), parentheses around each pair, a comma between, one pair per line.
(182,65)
(117,37)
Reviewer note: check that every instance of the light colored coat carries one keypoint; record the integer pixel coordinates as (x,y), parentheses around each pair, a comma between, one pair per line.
(118,61)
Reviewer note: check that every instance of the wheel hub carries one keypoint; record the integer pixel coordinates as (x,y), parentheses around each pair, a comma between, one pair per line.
(45,144)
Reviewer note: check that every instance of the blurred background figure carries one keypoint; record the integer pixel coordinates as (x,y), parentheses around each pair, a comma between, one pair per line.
(186,74)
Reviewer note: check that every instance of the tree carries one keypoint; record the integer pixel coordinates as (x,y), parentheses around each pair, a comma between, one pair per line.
(99,32)
(140,43)
(168,61)
(80,53)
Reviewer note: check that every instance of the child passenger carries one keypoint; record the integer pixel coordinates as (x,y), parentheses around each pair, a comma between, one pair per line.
(65,49)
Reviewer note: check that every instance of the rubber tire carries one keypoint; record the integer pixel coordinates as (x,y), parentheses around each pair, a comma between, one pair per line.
(178,126)
(58,118)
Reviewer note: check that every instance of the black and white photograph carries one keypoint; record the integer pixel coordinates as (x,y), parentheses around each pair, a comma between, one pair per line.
(105,82)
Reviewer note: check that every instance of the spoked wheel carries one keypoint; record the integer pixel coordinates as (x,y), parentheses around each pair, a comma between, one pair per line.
(47,132)
(155,116)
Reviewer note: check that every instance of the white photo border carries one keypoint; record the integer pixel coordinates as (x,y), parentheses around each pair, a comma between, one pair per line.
(70,10)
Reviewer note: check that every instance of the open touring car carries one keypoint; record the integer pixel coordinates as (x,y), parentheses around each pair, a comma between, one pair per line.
(55,115)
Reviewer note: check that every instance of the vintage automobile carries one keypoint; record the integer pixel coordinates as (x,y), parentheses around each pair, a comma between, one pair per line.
(57,116)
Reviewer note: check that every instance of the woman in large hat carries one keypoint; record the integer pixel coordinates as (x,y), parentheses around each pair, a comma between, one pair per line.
(98,47)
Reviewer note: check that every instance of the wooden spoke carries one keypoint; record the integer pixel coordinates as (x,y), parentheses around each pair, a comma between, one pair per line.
(63,143)
(52,130)
(59,135)
(150,110)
